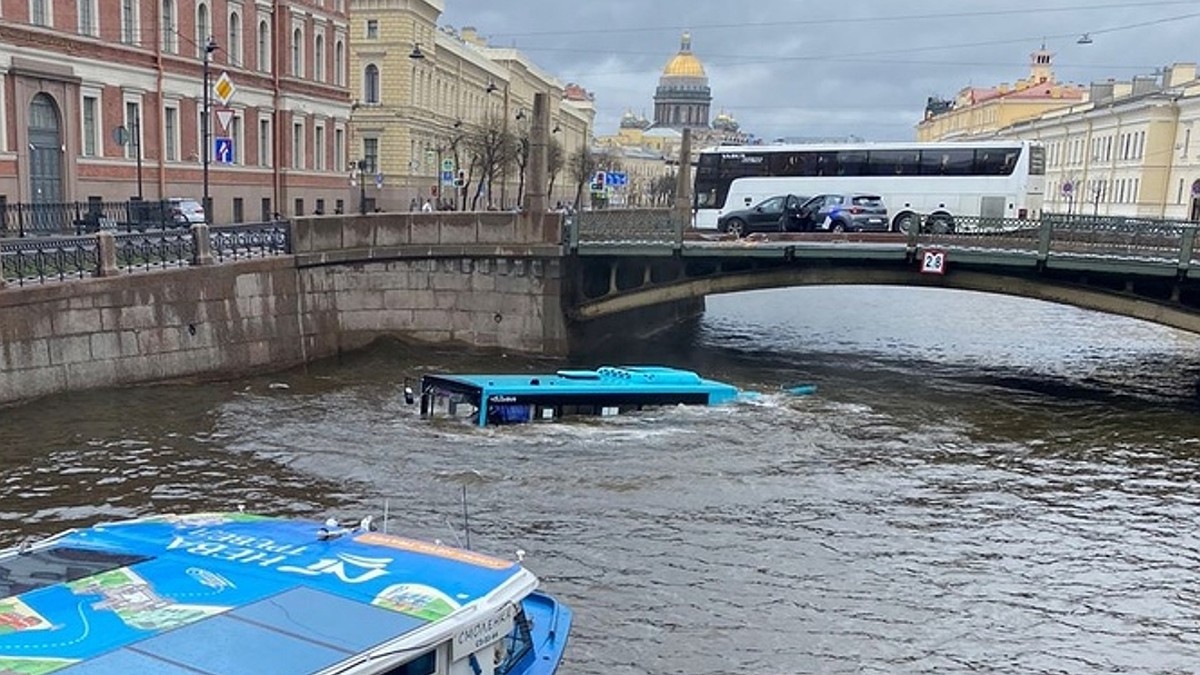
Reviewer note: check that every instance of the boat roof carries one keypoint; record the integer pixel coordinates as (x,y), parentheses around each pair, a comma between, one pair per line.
(606,379)
(158,594)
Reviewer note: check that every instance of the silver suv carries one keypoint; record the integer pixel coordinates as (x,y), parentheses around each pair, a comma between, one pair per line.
(841,212)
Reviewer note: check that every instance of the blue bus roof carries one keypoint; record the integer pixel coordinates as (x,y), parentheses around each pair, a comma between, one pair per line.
(161,594)
(603,380)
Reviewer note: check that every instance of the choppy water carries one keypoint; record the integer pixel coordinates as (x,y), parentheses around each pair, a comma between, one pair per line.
(981,484)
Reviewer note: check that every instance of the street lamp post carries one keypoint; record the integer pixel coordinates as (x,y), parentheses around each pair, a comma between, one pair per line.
(209,48)
(362,186)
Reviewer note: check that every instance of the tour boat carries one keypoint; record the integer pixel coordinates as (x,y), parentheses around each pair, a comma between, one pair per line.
(235,593)
(608,390)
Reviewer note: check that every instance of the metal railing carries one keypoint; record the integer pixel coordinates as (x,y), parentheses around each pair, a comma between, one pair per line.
(631,226)
(235,242)
(47,259)
(78,218)
(35,261)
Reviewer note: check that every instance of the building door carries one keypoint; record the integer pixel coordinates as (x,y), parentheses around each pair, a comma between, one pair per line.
(45,164)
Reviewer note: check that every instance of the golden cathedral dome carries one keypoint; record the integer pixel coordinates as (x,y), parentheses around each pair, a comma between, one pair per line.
(685,63)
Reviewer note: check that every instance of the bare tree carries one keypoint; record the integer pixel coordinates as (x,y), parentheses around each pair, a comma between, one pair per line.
(490,147)
(582,166)
(663,190)
(554,163)
(521,155)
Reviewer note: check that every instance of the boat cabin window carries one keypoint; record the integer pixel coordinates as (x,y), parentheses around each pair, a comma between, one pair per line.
(514,646)
(63,564)
(425,664)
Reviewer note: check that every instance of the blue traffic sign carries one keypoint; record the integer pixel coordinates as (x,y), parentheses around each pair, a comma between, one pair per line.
(223,150)
(616,178)
(447,177)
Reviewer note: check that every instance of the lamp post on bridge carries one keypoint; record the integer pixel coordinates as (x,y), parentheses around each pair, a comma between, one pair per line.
(209,48)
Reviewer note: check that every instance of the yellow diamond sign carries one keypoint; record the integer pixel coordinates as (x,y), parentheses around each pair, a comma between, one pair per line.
(223,88)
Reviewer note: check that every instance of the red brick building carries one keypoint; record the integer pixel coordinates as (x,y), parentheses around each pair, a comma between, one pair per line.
(87,84)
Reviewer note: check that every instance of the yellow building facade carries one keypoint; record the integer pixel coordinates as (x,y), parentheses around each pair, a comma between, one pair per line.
(418,90)
(980,112)
(1132,150)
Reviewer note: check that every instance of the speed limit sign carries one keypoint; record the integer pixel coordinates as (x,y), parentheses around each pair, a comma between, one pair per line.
(933,261)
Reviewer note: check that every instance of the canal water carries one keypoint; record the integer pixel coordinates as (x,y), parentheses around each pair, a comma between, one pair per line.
(980,484)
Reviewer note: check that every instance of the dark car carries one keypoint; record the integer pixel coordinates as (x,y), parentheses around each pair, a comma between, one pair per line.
(765,216)
(841,212)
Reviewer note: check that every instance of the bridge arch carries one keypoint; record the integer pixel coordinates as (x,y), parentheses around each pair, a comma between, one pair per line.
(1157,303)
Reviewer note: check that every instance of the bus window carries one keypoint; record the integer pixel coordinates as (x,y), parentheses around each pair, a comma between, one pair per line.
(825,164)
(947,162)
(996,161)
(852,163)
(895,162)
(791,164)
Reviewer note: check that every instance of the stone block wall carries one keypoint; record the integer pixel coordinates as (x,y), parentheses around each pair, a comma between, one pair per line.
(190,322)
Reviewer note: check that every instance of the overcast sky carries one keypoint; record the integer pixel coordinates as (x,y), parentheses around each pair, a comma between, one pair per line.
(830,69)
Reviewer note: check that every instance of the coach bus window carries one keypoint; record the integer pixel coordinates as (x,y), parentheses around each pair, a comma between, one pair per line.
(895,162)
(852,163)
(790,164)
(826,164)
(996,161)
(947,162)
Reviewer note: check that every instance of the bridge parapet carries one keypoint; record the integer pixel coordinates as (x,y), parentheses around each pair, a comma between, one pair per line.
(328,234)
(636,226)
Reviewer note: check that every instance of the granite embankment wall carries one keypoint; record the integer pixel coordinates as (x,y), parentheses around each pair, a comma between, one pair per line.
(482,280)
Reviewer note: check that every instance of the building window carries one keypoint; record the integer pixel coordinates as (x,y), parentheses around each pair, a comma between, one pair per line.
(91,125)
(371,83)
(169,25)
(39,12)
(298,145)
(239,210)
(319,58)
(264,46)
(372,29)
(129,22)
(171,133)
(236,136)
(133,125)
(264,142)
(319,148)
(234,45)
(298,53)
(339,149)
(339,63)
(87,18)
(203,29)
(371,154)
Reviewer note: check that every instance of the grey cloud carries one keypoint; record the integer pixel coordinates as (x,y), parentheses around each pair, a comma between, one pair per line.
(809,67)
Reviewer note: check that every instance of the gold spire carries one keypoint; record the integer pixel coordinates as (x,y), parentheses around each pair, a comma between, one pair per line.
(684,64)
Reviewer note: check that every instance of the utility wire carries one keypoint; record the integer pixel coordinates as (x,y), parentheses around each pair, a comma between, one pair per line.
(847,19)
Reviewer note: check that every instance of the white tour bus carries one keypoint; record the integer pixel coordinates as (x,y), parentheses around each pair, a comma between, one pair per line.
(939,181)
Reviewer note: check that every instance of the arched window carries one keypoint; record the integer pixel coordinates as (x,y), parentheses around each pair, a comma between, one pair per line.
(170,44)
(235,39)
(339,63)
(298,52)
(319,58)
(371,84)
(264,46)
(203,29)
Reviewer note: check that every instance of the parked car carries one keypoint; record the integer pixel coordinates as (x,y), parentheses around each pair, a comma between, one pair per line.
(765,216)
(185,211)
(841,212)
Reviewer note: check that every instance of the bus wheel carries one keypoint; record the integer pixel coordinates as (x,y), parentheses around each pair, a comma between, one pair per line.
(905,222)
(941,224)
(736,227)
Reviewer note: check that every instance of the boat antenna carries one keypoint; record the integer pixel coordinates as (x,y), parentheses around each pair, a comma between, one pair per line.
(466,518)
